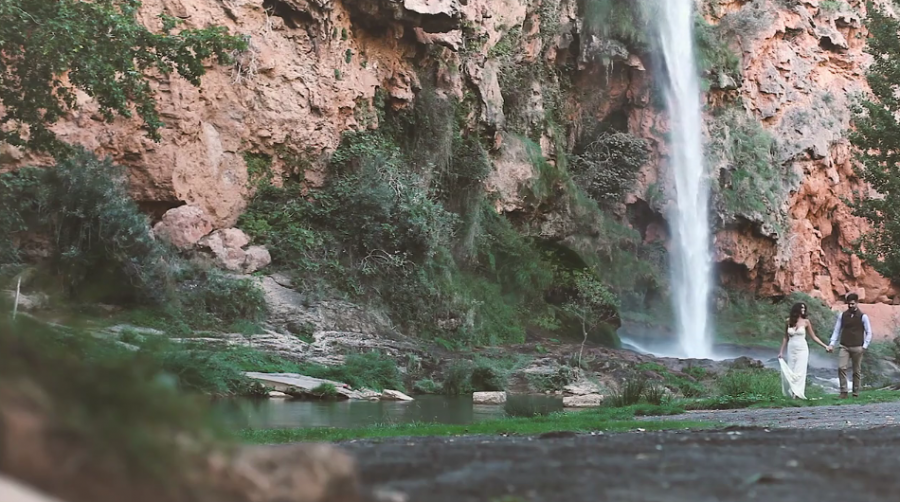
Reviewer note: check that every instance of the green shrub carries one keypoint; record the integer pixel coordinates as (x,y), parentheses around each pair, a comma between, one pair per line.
(457,378)
(403,223)
(752,184)
(544,382)
(259,167)
(426,386)
(324,391)
(245,358)
(202,370)
(101,243)
(513,261)
(212,299)
(655,394)
(371,370)
(833,5)
(101,248)
(757,385)
(375,230)
(624,20)
(607,166)
(631,392)
(714,56)
(691,390)
(638,390)
(486,378)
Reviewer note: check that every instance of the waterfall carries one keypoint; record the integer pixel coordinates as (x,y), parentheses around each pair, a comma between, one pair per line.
(691,260)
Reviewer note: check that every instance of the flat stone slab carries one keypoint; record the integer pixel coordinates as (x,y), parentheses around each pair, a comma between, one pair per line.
(394,395)
(284,381)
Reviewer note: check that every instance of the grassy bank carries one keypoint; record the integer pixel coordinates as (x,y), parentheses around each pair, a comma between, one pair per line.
(734,390)
(601,419)
(814,399)
(607,419)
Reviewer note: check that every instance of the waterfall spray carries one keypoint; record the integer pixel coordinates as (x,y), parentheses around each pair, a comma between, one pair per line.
(691,261)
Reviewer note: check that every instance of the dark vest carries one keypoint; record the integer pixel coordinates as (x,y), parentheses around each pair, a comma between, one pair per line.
(852,329)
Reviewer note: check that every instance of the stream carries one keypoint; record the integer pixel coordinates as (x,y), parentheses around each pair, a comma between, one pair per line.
(290,413)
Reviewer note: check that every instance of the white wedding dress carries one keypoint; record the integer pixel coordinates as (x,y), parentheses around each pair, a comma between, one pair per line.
(793,366)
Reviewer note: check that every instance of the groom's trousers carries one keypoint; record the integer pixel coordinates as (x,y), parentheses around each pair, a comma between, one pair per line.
(847,356)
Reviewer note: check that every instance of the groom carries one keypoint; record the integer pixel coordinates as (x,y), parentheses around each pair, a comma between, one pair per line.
(854,332)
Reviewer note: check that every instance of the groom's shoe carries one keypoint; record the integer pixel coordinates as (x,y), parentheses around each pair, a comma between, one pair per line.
(843,395)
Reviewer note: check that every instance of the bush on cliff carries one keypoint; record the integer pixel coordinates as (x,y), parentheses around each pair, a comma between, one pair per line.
(99,246)
(408,231)
(607,164)
(93,228)
(624,20)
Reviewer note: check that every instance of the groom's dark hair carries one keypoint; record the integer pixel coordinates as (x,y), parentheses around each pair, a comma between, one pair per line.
(852,297)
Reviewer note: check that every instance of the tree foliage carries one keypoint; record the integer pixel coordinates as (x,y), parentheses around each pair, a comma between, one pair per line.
(82,206)
(592,305)
(877,137)
(51,49)
(99,245)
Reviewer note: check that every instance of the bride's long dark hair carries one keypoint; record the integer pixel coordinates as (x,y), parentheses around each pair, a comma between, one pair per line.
(796,314)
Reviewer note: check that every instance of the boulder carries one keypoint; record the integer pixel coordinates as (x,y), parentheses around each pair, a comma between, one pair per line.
(34,301)
(255,258)
(184,226)
(581,388)
(226,246)
(489,397)
(585,401)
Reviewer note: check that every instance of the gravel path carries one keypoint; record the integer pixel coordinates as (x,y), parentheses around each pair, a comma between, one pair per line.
(822,417)
(804,459)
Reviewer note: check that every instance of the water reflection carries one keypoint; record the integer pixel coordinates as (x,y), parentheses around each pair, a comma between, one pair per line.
(281,413)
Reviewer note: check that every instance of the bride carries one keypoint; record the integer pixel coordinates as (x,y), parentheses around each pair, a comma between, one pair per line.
(793,371)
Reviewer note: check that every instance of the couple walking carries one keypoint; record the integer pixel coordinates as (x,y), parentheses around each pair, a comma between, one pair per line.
(852,330)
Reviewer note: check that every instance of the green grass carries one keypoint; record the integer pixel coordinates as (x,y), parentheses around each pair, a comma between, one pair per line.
(816,399)
(602,419)
(607,419)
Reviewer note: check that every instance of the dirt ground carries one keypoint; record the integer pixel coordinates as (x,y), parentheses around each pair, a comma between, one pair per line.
(825,454)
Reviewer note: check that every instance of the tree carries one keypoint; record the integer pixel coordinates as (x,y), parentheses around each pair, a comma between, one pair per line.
(593,304)
(51,48)
(877,138)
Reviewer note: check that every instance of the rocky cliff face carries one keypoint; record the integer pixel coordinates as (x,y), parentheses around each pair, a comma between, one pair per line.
(314,67)
(802,67)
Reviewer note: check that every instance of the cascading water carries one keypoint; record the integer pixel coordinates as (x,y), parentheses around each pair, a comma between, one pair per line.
(691,261)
